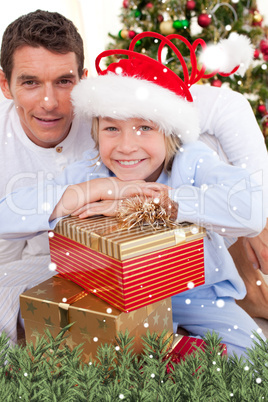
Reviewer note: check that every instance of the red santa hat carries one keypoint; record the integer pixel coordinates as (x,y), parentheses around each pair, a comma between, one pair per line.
(139,86)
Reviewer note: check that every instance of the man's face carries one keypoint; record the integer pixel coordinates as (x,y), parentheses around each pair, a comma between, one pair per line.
(41,83)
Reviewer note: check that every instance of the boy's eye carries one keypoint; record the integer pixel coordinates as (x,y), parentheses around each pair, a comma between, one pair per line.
(145,128)
(111,128)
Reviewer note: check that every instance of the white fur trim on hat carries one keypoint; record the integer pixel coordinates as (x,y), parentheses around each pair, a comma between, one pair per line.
(229,53)
(122,97)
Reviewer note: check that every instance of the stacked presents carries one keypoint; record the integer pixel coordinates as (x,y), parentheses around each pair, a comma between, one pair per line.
(112,279)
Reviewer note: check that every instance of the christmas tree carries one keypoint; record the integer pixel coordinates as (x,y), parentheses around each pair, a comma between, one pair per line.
(211,21)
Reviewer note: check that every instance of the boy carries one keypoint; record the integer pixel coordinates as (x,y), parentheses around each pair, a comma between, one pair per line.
(145,130)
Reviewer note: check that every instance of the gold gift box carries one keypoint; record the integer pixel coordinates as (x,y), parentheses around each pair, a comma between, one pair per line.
(57,302)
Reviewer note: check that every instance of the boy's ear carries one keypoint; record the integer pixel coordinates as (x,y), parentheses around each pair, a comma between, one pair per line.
(4,85)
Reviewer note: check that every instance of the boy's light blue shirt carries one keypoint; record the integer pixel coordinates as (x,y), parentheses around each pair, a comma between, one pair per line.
(222,198)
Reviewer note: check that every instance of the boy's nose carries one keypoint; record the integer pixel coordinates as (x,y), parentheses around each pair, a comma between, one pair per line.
(128,141)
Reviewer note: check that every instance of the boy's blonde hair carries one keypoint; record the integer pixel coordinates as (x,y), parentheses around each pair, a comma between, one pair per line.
(172,142)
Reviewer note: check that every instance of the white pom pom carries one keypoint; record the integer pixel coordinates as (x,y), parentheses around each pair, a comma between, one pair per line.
(237,50)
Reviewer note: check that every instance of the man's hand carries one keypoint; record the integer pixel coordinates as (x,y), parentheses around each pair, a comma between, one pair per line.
(257,250)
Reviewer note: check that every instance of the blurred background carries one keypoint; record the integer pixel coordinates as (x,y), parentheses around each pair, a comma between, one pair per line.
(93,18)
(113,23)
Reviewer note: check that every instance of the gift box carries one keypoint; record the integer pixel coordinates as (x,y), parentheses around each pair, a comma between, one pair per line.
(58,302)
(128,268)
(185,345)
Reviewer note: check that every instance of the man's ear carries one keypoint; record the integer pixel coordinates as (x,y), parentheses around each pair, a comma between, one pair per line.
(85,73)
(4,85)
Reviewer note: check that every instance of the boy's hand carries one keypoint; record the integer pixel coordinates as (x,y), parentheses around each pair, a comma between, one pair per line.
(102,196)
(115,189)
(104,207)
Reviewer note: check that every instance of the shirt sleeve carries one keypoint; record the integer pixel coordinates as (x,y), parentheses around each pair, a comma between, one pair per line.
(25,212)
(229,127)
(228,116)
(222,198)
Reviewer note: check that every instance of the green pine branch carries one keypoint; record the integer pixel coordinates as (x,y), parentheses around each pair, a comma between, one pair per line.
(50,371)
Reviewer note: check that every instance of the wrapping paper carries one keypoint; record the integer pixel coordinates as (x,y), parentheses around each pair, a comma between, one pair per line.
(58,301)
(128,268)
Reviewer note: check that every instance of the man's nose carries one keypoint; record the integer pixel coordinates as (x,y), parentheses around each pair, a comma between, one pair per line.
(49,100)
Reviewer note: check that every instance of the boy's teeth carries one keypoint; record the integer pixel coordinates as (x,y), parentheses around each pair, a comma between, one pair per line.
(129,162)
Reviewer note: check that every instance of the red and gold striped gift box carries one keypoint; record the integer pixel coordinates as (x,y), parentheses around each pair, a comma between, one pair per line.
(128,268)
(185,345)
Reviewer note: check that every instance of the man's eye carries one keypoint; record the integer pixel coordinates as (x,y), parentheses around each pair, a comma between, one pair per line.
(65,81)
(29,83)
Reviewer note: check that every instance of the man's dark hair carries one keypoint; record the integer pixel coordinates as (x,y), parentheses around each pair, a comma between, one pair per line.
(50,30)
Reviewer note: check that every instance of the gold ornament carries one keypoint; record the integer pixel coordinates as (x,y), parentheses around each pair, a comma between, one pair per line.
(166,27)
(257,17)
(124,33)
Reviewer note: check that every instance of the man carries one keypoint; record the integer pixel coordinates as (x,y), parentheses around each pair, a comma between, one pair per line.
(42,59)
(230,128)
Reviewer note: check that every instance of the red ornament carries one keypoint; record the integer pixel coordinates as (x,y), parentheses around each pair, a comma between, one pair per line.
(190,5)
(261,109)
(125,3)
(160,18)
(264,46)
(131,34)
(216,83)
(204,20)
(149,5)
(256,53)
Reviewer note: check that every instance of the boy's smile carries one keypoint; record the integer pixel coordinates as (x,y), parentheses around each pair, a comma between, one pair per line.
(132,149)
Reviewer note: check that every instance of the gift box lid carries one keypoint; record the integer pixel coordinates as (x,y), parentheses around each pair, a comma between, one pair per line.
(50,301)
(103,234)
(57,302)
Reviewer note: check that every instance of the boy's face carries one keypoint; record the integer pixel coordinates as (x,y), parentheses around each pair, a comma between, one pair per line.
(41,83)
(133,149)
